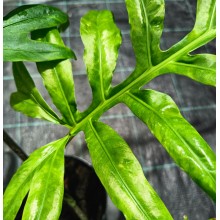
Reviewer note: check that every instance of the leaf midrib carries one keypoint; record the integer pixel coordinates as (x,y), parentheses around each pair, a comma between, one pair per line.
(100,62)
(47,183)
(64,97)
(56,118)
(27,19)
(144,78)
(193,66)
(148,33)
(27,182)
(34,51)
(132,196)
(31,173)
(171,128)
(212,16)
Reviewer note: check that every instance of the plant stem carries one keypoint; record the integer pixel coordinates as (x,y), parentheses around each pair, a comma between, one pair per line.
(14,146)
(141,80)
(72,203)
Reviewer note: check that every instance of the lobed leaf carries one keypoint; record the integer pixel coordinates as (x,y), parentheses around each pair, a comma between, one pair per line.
(122,175)
(115,164)
(17,45)
(188,149)
(28,99)
(101,39)
(58,79)
(203,31)
(47,186)
(20,183)
(146,20)
(201,68)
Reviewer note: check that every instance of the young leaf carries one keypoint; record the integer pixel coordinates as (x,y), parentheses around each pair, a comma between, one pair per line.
(201,68)
(18,24)
(122,175)
(58,80)
(28,99)
(189,150)
(21,181)
(101,39)
(46,190)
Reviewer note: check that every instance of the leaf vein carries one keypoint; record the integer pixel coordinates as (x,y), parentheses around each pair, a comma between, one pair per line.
(117,172)
(64,96)
(171,128)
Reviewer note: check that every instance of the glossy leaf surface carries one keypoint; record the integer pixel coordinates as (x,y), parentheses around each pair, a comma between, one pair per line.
(47,186)
(146,21)
(179,138)
(17,45)
(22,180)
(204,29)
(101,39)
(201,68)
(58,80)
(28,99)
(122,175)
(114,162)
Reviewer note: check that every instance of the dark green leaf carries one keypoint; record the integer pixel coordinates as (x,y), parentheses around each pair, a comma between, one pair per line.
(28,100)
(47,187)
(179,138)
(122,175)
(201,68)
(101,39)
(22,180)
(17,45)
(58,80)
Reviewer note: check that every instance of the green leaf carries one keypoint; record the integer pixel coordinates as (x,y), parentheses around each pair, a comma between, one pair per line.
(47,187)
(115,164)
(20,183)
(17,45)
(101,39)
(58,80)
(146,21)
(28,99)
(204,29)
(188,149)
(185,217)
(201,68)
(205,16)
(122,175)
